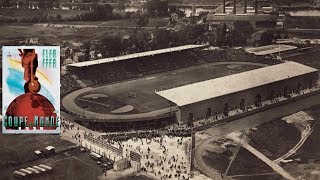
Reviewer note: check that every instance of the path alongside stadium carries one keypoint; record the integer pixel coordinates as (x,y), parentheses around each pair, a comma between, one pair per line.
(69,100)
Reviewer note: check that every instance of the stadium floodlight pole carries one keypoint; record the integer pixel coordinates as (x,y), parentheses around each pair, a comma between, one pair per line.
(234,7)
(193,147)
(224,6)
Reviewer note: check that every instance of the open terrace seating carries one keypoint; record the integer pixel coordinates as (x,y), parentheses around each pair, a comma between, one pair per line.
(68,84)
(133,68)
(236,55)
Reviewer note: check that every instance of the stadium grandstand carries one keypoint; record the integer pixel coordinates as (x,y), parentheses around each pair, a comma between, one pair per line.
(298,41)
(128,93)
(240,90)
(108,70)
(130,66)
(234,55)
(135,55)
(68,84)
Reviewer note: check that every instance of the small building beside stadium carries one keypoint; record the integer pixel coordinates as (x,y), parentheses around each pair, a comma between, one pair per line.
(239,91)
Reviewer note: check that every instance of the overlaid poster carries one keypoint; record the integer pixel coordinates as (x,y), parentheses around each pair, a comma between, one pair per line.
(31,89)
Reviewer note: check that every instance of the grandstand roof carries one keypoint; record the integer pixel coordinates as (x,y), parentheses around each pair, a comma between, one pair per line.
(213,88)
(241,17)
(270,49)
(135,55)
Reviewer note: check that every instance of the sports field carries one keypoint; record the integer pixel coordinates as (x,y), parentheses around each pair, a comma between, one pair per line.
(17,151)
(12,33)
(138,96)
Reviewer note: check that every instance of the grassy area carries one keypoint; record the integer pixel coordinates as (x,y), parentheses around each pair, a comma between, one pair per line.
(247,163)
(218,161)
(307,158)
(77,166)
(11,33)
(275,138)
(35,12)
(18,149)
(310,150)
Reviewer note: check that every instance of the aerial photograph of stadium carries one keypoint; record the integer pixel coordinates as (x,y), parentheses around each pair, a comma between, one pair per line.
(171,89)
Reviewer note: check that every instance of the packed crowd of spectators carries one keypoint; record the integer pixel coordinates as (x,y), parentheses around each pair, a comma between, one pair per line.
(106,126)
(116,137)
(132,68)
(161,161)
(236,55)
(121,136)
(68,84)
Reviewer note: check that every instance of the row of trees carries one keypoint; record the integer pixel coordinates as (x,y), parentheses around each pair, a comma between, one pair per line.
(236,36)
(142,40)
(96,12)
(156,8)
(100,12)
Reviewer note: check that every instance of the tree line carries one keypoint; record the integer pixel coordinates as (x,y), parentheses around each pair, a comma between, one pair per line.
(142,40)
(91,12)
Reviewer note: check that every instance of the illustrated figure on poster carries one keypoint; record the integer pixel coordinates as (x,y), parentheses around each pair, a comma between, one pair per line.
(29,61)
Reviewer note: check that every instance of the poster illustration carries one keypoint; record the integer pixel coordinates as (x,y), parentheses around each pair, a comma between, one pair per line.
(31,89)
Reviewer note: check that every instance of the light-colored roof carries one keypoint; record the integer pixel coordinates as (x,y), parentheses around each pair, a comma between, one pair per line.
(213,88)
(49,148)
(45,166)
(95,154)
(37,152)
(241,17)
(270,49)
(135,55)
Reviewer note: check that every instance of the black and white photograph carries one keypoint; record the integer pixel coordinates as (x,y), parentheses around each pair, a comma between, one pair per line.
(160,89)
